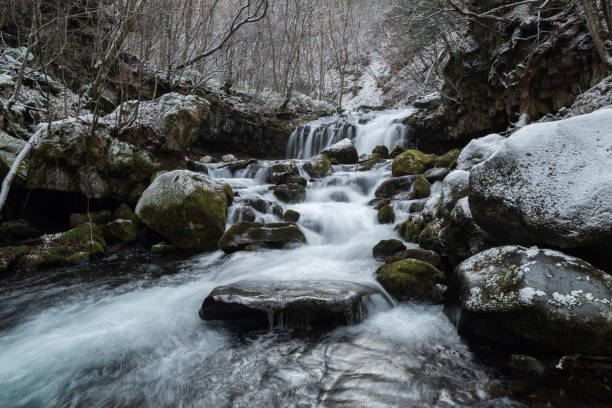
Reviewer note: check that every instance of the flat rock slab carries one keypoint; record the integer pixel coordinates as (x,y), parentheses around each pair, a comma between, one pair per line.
(290,304)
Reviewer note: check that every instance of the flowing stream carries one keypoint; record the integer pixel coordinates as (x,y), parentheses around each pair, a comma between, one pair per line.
(125,332)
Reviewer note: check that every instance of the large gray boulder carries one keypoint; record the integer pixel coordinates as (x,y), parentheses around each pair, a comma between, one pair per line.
(344,152)
(549,183)
(296,303)
(187,209)
(534,298)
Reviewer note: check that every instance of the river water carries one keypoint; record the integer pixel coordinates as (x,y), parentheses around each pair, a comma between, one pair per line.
(125,332)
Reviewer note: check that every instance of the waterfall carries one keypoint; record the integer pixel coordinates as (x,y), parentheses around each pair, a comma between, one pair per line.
(366,129)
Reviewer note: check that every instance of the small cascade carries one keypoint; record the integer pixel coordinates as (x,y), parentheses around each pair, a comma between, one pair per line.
(366,129)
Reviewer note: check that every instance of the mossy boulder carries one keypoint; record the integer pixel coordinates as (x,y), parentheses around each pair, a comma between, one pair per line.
(386,215)
(411,229)
(120,230)
(290,192)
(10,255)
(397,150)
(387,248)
(18,230)
(344,152)
(319,166)
(251,235)
(448,159)
(95,217)
(424,255)
(535,299)
(412,279)
(382,203)
(291,216)
(412,162)
(186,208)
(421,188)
(381,150)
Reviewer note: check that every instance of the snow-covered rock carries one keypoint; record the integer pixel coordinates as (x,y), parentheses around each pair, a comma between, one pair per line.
(549,183)
(478,150)
(188,209)
(454,187)
(344,152)
(534,298)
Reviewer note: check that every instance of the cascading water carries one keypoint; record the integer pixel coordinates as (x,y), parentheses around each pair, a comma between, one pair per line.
(366,129)
(126,332)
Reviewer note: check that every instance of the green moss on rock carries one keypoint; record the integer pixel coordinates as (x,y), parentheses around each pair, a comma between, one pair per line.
(120,231)
(386,215)
(96,217)
(424,255)
(10,255)
(412,162)
(412,279)
(397,150)
(319,166)
(448,158)
(387,248)
(411,229)
(421,187)
(247,235)
(186,208)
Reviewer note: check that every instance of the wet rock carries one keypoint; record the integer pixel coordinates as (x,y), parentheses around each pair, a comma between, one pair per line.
(420,188)
(244,214)
(291,216)
(120,231)
(387,248)
(448,159)
(397,150)
(344,152)
(479,150)
(207,159)
(96,217)
(412,279)
(282,172)
(186,208)
(18,230)
(290,193)
(424,255)
(412,162)
(251,235)
(534,298)
(436,174)
(390,187)
(386,215)
(339,197)
(382,151)
(319,166)
(549,183)
(296,304)
(526,364)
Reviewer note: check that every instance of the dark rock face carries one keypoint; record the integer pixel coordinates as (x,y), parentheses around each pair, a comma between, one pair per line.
(492,91)
(17,230)
(534,298)
(251,235)
(297,304)
(230,130)
(549,183)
